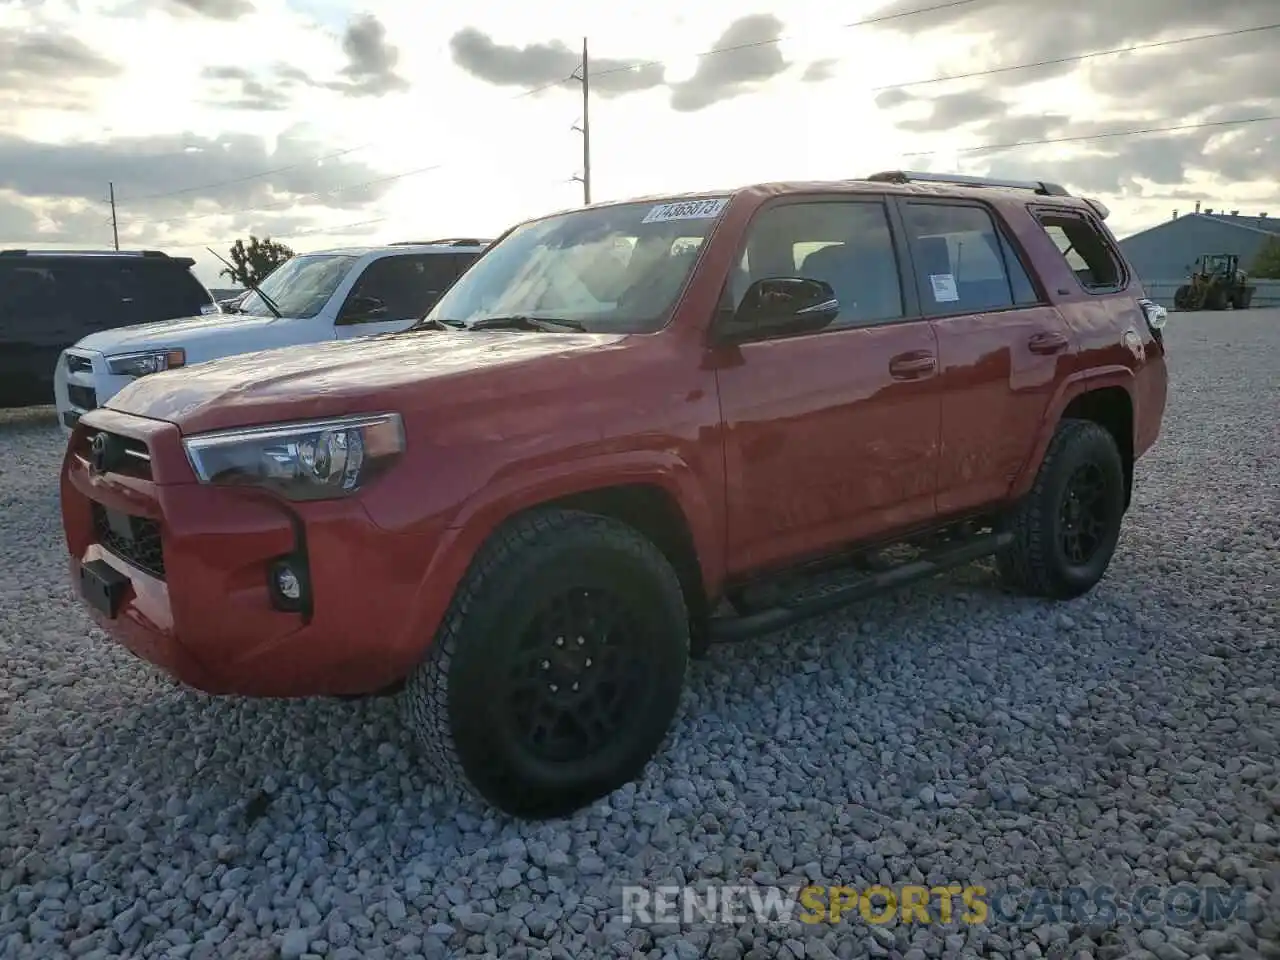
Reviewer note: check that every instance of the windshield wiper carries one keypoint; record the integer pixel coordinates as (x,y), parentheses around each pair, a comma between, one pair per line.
(523,321)
(253,287)
(437,324)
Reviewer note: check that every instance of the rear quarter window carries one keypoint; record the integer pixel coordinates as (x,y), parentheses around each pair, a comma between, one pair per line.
(60,299)
(166,291)
(1085,249)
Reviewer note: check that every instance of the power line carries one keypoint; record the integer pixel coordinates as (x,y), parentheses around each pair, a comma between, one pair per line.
(245,179)
(297,165)
(291,201)
(294,201)
(1099,136)
(1076,58)
(334,231)
(867,22)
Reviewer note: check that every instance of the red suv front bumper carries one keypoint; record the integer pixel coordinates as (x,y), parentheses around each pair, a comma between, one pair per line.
(194,568)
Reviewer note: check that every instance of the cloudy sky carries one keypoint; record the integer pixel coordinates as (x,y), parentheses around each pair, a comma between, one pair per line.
(323,122)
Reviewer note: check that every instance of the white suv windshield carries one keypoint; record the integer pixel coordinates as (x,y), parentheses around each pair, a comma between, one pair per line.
(301,286)
(614,269)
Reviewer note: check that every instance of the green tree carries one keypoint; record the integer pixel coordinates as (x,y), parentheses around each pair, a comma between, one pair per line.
(1267,265)
(252,263)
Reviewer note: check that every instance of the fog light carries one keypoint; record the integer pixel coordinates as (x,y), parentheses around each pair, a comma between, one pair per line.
(287,583)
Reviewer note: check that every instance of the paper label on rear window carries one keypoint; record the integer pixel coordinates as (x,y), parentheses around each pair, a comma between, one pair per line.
(944,287)
(686,210)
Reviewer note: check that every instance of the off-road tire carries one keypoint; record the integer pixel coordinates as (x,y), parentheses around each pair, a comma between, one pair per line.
(1036,563)
(1182,297)
(449,700)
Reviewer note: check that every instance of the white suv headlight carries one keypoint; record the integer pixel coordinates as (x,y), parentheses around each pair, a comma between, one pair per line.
(146,361)
(312,460)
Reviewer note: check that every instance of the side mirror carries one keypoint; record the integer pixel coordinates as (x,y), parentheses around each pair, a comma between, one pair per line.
(778,306)
(362,309)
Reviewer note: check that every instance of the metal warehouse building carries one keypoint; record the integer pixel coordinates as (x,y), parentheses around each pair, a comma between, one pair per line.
(1168,252)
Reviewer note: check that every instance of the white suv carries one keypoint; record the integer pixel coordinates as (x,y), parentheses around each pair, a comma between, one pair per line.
(332,294)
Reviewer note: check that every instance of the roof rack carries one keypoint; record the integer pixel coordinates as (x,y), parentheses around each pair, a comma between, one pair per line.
(447,242)
(87,253)
(1042,187)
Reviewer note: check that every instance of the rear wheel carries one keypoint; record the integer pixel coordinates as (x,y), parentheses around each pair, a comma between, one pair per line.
(1066,529)
(558,669)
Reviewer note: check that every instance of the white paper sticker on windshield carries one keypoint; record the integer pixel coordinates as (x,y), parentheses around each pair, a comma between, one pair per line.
(944,287)
(686,210)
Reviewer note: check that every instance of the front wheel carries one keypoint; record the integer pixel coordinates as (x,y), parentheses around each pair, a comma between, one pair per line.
(1066,529)
(557,670)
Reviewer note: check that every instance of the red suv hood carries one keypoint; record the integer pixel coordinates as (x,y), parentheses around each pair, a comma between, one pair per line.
(334,378)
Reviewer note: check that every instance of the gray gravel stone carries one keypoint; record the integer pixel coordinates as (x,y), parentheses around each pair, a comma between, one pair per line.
(949,733)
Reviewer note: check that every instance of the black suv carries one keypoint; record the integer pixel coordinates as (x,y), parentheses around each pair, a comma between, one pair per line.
(49,299)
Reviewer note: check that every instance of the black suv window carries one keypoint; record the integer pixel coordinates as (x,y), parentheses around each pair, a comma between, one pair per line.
(408,286)
(61,298)
(79,295)
(167,290)
(461,262)
(963,262)
(847,244)
(1085,249)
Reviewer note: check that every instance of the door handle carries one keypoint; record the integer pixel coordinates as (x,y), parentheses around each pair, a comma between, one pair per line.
(910,366)
(1047,343)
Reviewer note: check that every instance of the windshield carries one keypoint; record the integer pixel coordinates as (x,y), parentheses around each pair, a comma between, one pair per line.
(614,269)
(300,286)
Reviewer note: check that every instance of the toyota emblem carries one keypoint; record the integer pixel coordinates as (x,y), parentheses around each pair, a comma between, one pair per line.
(98,453)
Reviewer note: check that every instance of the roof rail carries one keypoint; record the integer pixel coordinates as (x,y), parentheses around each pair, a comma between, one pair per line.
(86,253)
(1042,187)
(447,242)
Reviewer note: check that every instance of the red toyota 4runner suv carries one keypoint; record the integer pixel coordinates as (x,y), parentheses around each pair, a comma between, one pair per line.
(628,431)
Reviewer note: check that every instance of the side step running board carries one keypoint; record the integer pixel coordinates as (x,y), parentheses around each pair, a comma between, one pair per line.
(728,629)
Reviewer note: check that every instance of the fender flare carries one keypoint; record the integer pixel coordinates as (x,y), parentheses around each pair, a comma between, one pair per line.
(521,489)
(1086,381)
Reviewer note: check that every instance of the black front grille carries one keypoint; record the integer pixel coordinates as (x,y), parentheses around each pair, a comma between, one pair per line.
(86,398)
(135,540)
(77,364)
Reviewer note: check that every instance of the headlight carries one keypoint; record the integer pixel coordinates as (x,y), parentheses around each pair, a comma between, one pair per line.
(312,460)
(146,361)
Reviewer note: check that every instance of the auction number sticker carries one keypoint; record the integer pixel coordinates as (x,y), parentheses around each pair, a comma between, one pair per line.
(944,287)
(686,210)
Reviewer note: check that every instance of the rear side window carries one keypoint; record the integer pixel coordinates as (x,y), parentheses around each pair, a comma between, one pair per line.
(1085,249)
(69,297)
(461,262)
(165,290)
(963,262)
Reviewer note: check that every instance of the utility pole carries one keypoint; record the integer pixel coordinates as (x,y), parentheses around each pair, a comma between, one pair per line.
(585,129)
(115,231)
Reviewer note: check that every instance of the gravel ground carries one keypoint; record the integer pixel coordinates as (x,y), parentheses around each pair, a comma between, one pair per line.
(949,733)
